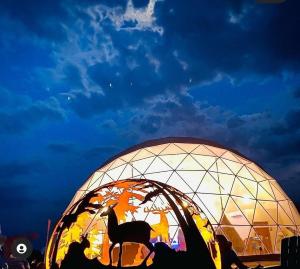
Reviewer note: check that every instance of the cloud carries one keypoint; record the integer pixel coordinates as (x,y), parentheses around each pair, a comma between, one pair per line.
(100,152)
(235,122)
(290,123)
(42,19)
(26,116)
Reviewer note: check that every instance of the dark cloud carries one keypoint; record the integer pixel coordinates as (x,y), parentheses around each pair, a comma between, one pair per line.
(24,118)
(41,18)
(290,124)
(235,122)
(195,47)
(99,152)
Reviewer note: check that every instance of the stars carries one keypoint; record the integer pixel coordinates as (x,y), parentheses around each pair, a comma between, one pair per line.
(110,85)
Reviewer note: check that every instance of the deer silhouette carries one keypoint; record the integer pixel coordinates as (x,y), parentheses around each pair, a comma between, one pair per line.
(135,231)
(160,229)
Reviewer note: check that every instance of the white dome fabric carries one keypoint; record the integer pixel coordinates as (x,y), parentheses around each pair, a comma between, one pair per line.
(239,198)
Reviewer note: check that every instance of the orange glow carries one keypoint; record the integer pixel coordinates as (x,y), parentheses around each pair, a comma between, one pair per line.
(127,198)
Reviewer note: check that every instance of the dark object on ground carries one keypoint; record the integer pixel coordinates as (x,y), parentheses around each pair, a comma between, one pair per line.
(290,253)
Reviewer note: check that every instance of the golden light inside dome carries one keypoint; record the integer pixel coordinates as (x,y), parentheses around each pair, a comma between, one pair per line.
(162,207)
(240,199)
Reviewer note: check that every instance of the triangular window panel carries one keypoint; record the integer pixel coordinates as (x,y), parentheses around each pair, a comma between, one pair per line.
(226,182)
(141,154)
(257,176)
(174,160)
(213,167)
(116,172)
(229,156)
(250,185)
(193,178)
(172,149)
(241,159)
(261,216)
(156,150)
(234,214)
(106,179)
(209,185)
(234,167)
(136,173)
(128,172)
(262,194)
(295,213)
(202,150)
(266,185)
(118,162)
(244,172)
(190,163)
(108,166)
(158,165)
(179,183)
(129,156)
(159,176)
(188,148)
(247,206)
(271,208)
(214,203)
(218,151)
(252,166)
(96,178)
(205,161)
(223,167)
(142,165)
(278,192)
(288,216)
(206,203)
(239,189)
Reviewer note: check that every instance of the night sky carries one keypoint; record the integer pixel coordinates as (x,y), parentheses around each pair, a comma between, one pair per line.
(82,80)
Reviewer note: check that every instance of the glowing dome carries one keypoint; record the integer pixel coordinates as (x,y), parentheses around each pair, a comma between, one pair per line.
(239,198)
(99,221)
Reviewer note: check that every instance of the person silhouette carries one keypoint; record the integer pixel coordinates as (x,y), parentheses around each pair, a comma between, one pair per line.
(75,257)
(228,255)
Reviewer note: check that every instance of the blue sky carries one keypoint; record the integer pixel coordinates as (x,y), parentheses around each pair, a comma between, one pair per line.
(82,80)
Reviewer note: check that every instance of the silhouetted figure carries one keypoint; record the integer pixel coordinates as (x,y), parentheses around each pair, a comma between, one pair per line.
(36,260)
(76,259)
(134,231)
(228,256)
(166,257)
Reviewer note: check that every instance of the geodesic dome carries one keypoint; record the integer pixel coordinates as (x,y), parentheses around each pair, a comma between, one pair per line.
(175,221)
(239,198)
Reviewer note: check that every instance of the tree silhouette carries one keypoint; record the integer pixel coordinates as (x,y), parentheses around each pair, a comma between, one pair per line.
(81,206)
(195,244)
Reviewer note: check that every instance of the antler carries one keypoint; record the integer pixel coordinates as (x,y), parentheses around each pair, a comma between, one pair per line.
(155,209)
